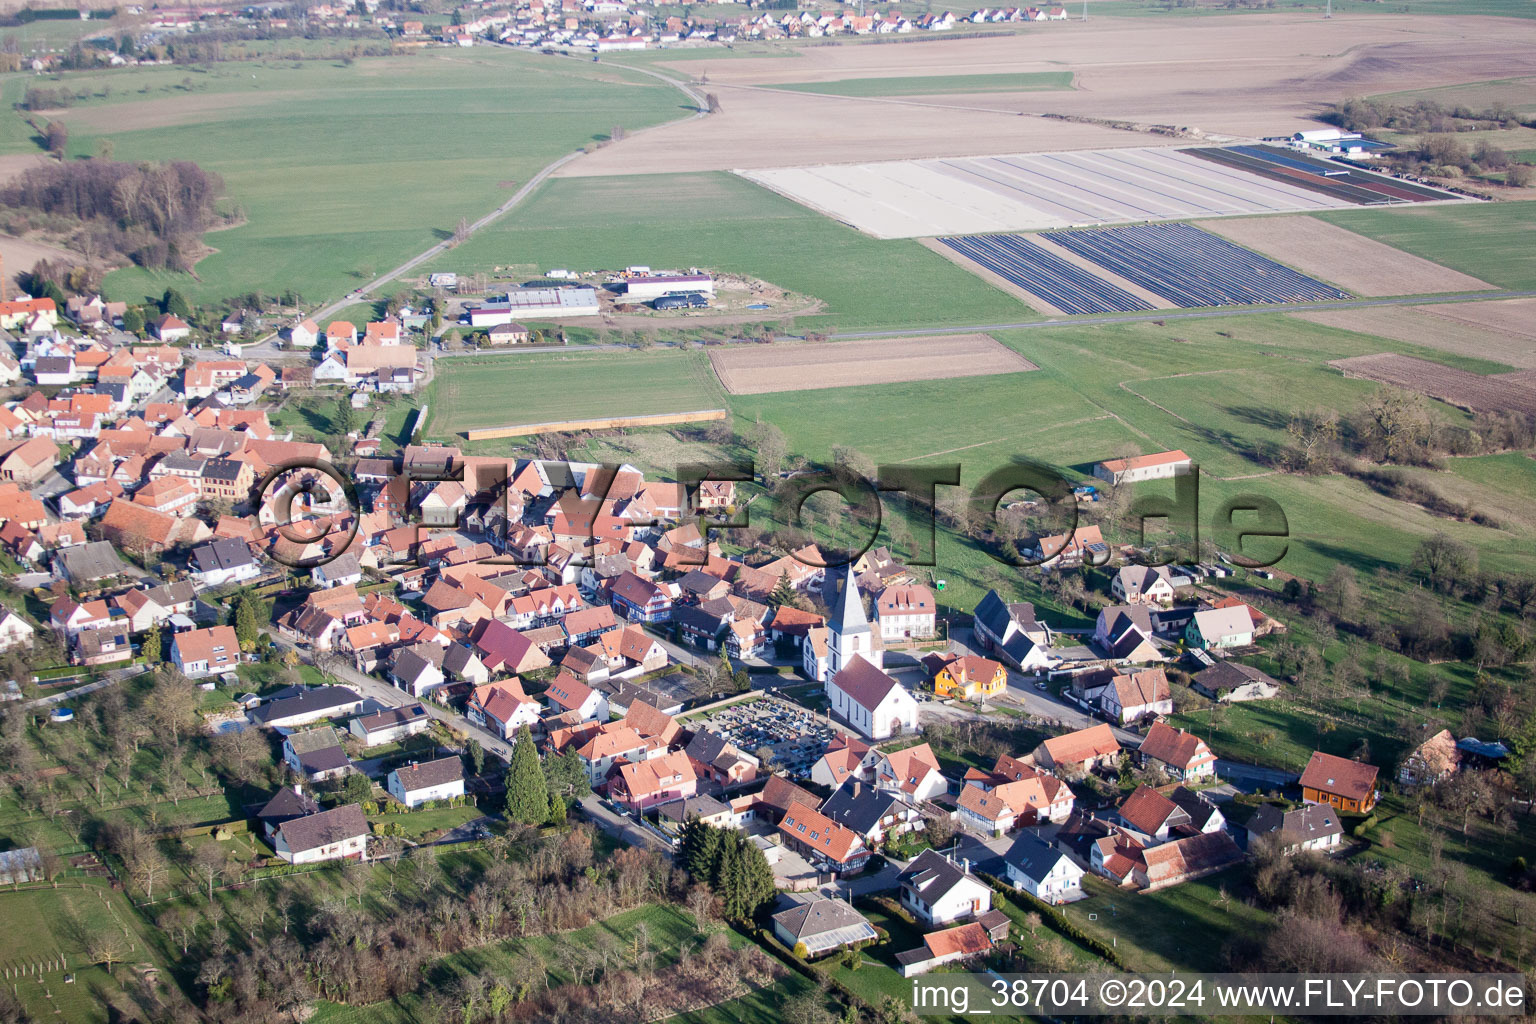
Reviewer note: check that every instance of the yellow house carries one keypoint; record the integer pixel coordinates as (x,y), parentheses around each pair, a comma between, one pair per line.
(970,678)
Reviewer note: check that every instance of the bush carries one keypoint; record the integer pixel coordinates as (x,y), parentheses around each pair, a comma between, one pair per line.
(802,951)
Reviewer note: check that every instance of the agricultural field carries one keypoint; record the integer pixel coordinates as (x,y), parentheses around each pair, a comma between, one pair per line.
(311,219)
(1353,262)
(1495,334)
(1023,192)
(1489,241)
(1458,387)
(731,226)
(936,85)
(473,392)
(805,367)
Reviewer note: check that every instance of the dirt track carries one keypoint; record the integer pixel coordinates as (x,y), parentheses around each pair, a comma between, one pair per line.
(1331,253)
(1245,75)
(764,369)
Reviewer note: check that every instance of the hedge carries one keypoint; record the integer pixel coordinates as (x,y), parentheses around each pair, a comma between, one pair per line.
(813,971)
(1054,919)
(237,826)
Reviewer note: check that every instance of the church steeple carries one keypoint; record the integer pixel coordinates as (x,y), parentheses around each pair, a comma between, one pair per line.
(847,608)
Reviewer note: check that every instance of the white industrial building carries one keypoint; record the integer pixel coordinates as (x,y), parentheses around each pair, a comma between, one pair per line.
(521,303)
(647,288)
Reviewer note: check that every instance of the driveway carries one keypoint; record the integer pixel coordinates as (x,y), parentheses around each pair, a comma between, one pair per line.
(621,826)
(1250,778)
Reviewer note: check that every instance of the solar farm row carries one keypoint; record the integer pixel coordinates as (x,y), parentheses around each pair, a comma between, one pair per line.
(1021,262)
(1191,267)
(1333,180)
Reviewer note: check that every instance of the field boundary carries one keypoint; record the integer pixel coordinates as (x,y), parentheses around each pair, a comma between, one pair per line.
(604,423)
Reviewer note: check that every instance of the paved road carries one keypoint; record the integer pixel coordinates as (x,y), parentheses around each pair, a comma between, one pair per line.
(1250,778)
(389,696)
(621,827)
(1203,314)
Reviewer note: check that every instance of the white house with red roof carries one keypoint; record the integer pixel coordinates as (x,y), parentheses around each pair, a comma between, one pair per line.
(871,701)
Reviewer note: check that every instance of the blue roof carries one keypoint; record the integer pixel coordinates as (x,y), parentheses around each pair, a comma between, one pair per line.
(1474,745)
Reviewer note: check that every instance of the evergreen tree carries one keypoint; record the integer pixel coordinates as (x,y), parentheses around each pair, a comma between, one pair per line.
(556,809)
(247,622)
(175,303)
(345,420)
(746,883)
(153,645)
(567,776)
(783,594)
(133,321)
(527,792)
(476,756)
(699,849)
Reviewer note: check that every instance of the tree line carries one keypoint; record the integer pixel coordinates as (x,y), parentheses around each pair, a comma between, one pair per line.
(152,214)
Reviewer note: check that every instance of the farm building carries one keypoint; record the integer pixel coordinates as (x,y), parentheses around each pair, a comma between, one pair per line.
(685,300)
(647,288)
(1160,466)
(527,302)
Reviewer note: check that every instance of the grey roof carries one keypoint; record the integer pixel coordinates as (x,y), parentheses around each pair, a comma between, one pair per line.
(695,617)
(53,364)
(182,461)
(341,566)
(703,806)
(168,594)
(324,698)
(92,642)
(997,615)
(286,805)
(457,659)
(1304,824)
(1225,675)
(1196,806)
(712,749)
(832,921)
(319,750)
(859,806)
(409,665)
(390,718)
(1032,856)
(226,470)
(696,582)
(325,828)
(224,553)
(846,609)
(416,777)
(93,561)
(932,874)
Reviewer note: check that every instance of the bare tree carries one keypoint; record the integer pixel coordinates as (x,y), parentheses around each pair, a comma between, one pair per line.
(210,862)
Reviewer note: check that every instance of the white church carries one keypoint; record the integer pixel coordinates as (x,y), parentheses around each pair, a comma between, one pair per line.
(857,685)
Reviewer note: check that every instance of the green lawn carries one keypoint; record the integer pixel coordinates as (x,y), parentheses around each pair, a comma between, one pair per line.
(488,391)
(342,172)
(1490,241)
(418,824)
(1180,928)
(937,85)
(727,224)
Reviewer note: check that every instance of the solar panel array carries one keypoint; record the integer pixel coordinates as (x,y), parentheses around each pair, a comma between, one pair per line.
(1069,288)
(1191,267)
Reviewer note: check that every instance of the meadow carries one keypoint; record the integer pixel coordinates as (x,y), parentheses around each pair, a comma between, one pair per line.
(936,85)
(1490,241)
(722,222)
(341,170)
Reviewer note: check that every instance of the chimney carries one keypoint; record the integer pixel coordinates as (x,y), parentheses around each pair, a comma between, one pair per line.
(965,864)
(298,790)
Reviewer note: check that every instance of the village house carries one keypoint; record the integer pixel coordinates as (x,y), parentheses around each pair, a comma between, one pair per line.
(913,771)
(1082,750)
(1136,696)
(654,781)
(963,942)
(568,695)
(104,646)
(966,677)
(340,833)
(1309,827)
(1011,633)
(1184,860)
(1013,795)
(1229,682)
(872,813)
(939,891)
(316,754)
(1180,754)
(822,841)
(1221,627)
(205,652)
(16,633)
(822,926)
(720,761)
(503,708)
(906,612)
(390,725)
(415,784)
(1140,584)
(845,757)
(1042,870)
(1435,759)
(1345,785)
(286,804)
(224,561)
(1124,632)
(306,708)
